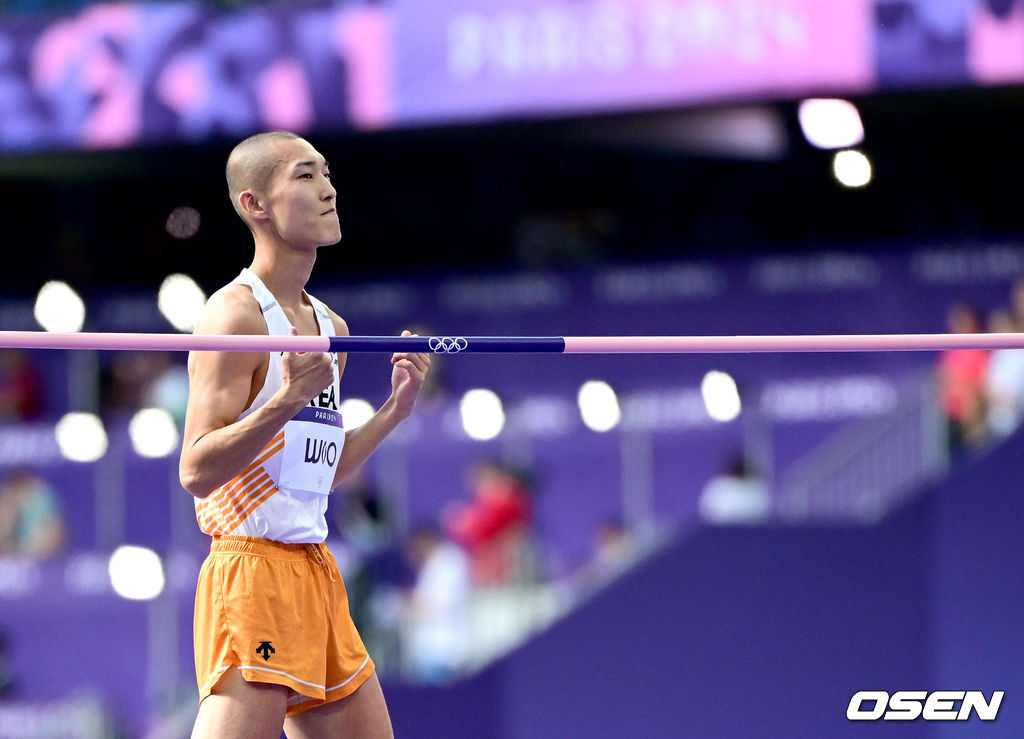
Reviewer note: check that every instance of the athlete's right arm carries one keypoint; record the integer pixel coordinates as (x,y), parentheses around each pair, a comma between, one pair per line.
(216,446)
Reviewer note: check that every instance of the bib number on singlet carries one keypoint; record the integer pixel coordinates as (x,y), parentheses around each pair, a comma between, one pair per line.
(312,447)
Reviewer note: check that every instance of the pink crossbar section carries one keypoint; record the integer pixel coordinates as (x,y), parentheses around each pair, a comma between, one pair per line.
(738,344)
(162,342)
(573,344)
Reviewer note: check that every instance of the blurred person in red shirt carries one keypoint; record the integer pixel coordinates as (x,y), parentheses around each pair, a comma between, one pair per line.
(961,381)
(21,387)
(494,526)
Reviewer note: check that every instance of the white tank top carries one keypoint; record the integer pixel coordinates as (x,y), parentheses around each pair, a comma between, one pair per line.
(282,494)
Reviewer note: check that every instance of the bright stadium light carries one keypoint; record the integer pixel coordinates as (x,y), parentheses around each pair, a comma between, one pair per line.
(721,396)
(153,433)
(81,437)
(831,123)
(59,308)
(355,412)
(483,416)
(852,168)
(599,406)
(136,573)
(183,222)
(180,300)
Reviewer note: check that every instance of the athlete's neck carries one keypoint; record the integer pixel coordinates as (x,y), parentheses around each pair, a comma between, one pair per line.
(285,274)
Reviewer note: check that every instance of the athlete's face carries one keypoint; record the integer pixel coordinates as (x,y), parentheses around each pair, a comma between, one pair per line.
(301,201)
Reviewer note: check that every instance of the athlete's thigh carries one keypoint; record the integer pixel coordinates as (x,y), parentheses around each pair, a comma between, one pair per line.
(237,709)
(363,714)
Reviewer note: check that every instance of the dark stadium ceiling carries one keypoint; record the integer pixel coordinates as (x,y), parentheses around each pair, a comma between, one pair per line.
(547,193)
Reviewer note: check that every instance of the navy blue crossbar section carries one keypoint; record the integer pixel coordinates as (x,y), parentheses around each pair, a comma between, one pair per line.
(449,344)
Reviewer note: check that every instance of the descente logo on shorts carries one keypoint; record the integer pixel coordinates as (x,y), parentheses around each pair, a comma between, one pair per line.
(265,649)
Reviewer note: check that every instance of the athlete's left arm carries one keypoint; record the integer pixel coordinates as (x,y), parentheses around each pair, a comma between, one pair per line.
(408,372)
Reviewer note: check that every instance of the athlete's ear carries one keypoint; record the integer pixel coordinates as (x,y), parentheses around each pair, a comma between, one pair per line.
(251,206)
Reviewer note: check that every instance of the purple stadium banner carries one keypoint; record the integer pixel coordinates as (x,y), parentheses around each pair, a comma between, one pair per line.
(995,48)
(114,75)
(118,75)
(478,59)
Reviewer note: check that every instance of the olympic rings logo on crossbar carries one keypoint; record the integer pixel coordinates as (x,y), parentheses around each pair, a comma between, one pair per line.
(447,344)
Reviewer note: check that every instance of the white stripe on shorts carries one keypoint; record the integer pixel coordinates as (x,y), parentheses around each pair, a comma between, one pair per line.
(299,698)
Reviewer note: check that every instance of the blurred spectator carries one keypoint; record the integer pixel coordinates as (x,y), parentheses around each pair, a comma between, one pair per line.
(494,526)
(21,386)
(437,613)
(373,556)
(614,551)
(363,518)
(128,378)
(613,548)
(736,495)
(961,380)
(168,388)
(31,524)
(1004,381)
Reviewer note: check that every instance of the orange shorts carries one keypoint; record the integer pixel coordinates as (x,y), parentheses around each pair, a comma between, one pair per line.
(279,613)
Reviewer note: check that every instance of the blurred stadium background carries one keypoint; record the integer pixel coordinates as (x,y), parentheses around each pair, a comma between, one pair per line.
(684,545)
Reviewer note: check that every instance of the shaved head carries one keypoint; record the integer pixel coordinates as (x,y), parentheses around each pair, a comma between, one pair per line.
(251,165)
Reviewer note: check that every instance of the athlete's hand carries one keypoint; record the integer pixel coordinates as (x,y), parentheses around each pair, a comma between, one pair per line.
(407,377)
(305,374)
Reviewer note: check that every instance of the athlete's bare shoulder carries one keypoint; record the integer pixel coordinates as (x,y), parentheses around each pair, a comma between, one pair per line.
(232,310)
(340,327)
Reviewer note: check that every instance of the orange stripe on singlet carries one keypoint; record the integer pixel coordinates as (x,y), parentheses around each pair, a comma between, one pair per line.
(223,498)
(252,501)
(241,499)
(276,444)
(223,504)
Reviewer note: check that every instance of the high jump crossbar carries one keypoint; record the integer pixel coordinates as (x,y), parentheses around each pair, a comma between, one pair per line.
(512,344)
